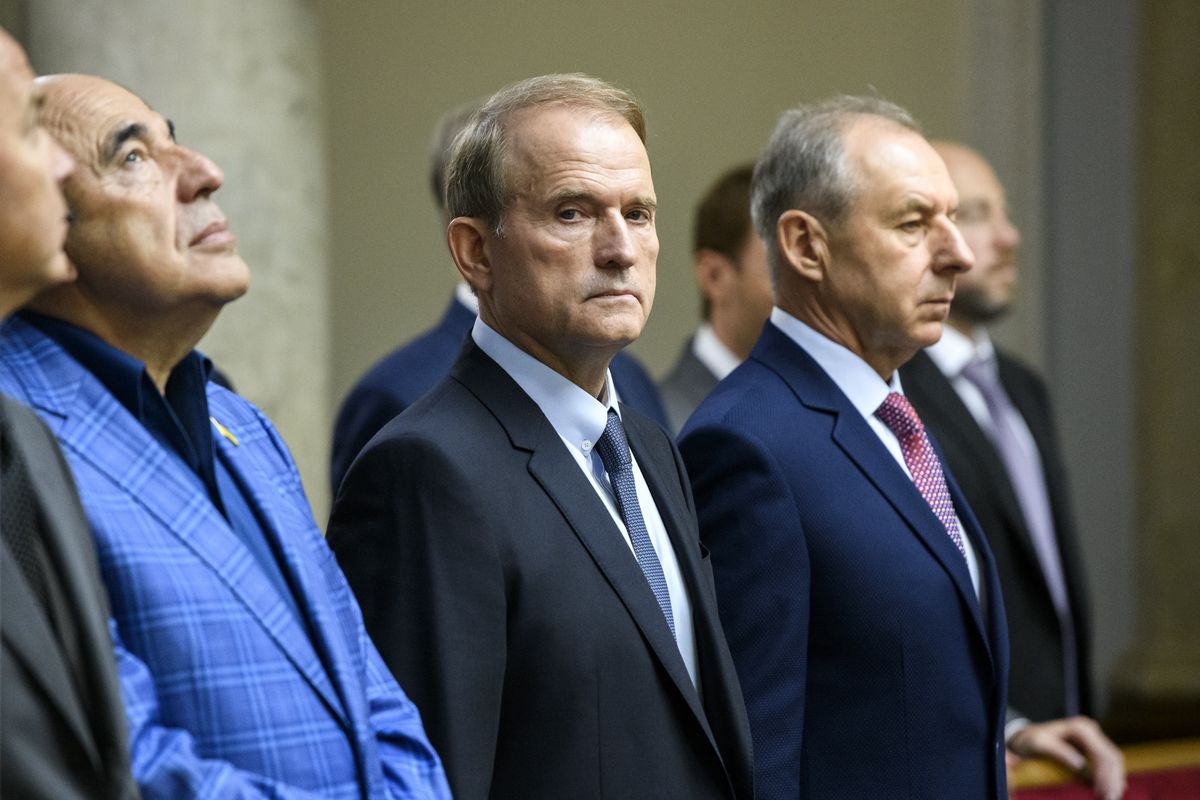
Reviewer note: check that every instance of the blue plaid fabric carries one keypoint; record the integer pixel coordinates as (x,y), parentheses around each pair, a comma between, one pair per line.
(227,693)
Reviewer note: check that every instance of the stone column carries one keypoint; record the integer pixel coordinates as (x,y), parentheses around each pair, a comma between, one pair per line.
(241,81)
(1157,692)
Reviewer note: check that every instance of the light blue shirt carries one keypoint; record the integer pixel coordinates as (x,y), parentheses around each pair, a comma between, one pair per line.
(579,420)
(866,391)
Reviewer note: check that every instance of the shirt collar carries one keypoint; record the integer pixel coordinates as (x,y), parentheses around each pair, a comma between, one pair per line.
(575,415)
(855,377)
(178,419)
(122,374)
(713,353)
(955,350)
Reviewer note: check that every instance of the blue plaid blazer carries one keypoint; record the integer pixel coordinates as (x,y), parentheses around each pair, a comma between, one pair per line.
(226,693)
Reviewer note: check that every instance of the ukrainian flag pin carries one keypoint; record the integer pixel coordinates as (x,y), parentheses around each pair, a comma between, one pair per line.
(224,431)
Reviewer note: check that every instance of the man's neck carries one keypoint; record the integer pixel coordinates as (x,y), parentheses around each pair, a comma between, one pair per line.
(729,335)
(587,369)
(968,328)
(159,345)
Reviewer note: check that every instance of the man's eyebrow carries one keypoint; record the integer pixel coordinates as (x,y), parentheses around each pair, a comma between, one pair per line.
(134,130)
(912,204)
(568,196)
(171,129)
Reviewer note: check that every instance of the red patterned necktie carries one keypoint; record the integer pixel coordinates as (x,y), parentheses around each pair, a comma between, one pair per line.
(922,461)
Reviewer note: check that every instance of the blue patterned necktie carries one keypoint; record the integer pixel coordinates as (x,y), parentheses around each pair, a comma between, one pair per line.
(618,463)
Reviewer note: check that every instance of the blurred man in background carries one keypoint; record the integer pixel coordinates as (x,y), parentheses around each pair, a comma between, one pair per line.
(735,290)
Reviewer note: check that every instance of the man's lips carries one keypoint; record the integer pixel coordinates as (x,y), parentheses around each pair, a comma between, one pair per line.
(216,233)
(617,293)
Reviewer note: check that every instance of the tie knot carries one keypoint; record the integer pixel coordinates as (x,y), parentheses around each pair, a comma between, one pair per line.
(899,415)
(613,446)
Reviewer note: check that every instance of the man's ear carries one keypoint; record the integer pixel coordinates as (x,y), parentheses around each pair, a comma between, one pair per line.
(467,238)
(715,275)
(803,244)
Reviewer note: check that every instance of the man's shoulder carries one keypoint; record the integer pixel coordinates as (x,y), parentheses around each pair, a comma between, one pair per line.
(750,393)
(449,415)
(1013,366)
(30,359)
(411,369)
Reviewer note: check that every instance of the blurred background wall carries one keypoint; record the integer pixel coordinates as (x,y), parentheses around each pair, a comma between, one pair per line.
(320,112)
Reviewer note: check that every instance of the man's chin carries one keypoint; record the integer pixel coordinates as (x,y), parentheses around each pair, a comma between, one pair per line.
(59,270)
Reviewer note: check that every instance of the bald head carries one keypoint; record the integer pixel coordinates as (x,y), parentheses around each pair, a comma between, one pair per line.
(986,292)
(33,216)
(155,255)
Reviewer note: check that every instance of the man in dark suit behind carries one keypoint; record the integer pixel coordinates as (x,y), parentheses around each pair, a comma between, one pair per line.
(402,376)
(992,416)
(858,594)
(62,726)
(541,590)
(735,289)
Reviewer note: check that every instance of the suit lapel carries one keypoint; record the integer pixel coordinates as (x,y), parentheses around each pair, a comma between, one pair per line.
(955,424)
(311,598)
(97,429)
(559,475)
(661,476)
(70,546)
(851,433)
(26,631)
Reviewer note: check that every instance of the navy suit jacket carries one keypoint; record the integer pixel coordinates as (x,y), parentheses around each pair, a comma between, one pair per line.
(401,377)
(507,602)
(1036,685)
(868,667)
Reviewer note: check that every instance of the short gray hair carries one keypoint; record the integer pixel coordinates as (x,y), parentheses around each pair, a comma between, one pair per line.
(804,164)
(477,183)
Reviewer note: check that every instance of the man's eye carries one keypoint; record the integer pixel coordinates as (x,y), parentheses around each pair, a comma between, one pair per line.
(638,215)
(569,214)
(912,226)
(133,156)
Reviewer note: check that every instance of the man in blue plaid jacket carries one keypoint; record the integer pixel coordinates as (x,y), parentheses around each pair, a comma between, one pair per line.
(241,653)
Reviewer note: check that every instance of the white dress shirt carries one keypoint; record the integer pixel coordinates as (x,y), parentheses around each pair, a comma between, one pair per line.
(712,352)
(866,391)
(951,354)
(579,420)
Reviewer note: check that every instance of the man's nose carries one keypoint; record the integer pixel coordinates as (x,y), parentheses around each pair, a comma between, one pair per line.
(614,245)
(953,252)
(198,175)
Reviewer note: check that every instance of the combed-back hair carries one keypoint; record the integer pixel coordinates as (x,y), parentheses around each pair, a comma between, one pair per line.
(804,164)
(477,182)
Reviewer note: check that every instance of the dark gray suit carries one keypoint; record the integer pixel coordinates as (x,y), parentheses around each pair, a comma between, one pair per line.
(62,724)
(685,386)
(500,592)
(1036,686)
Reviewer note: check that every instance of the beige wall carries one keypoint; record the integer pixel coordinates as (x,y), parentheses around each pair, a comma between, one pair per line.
(713,77)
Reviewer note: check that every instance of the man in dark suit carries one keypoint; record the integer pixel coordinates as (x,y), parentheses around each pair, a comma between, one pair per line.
(62,726)
(992,416)
(858,594)
(244,666)
(735,291)
(402,376)
(523,547)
